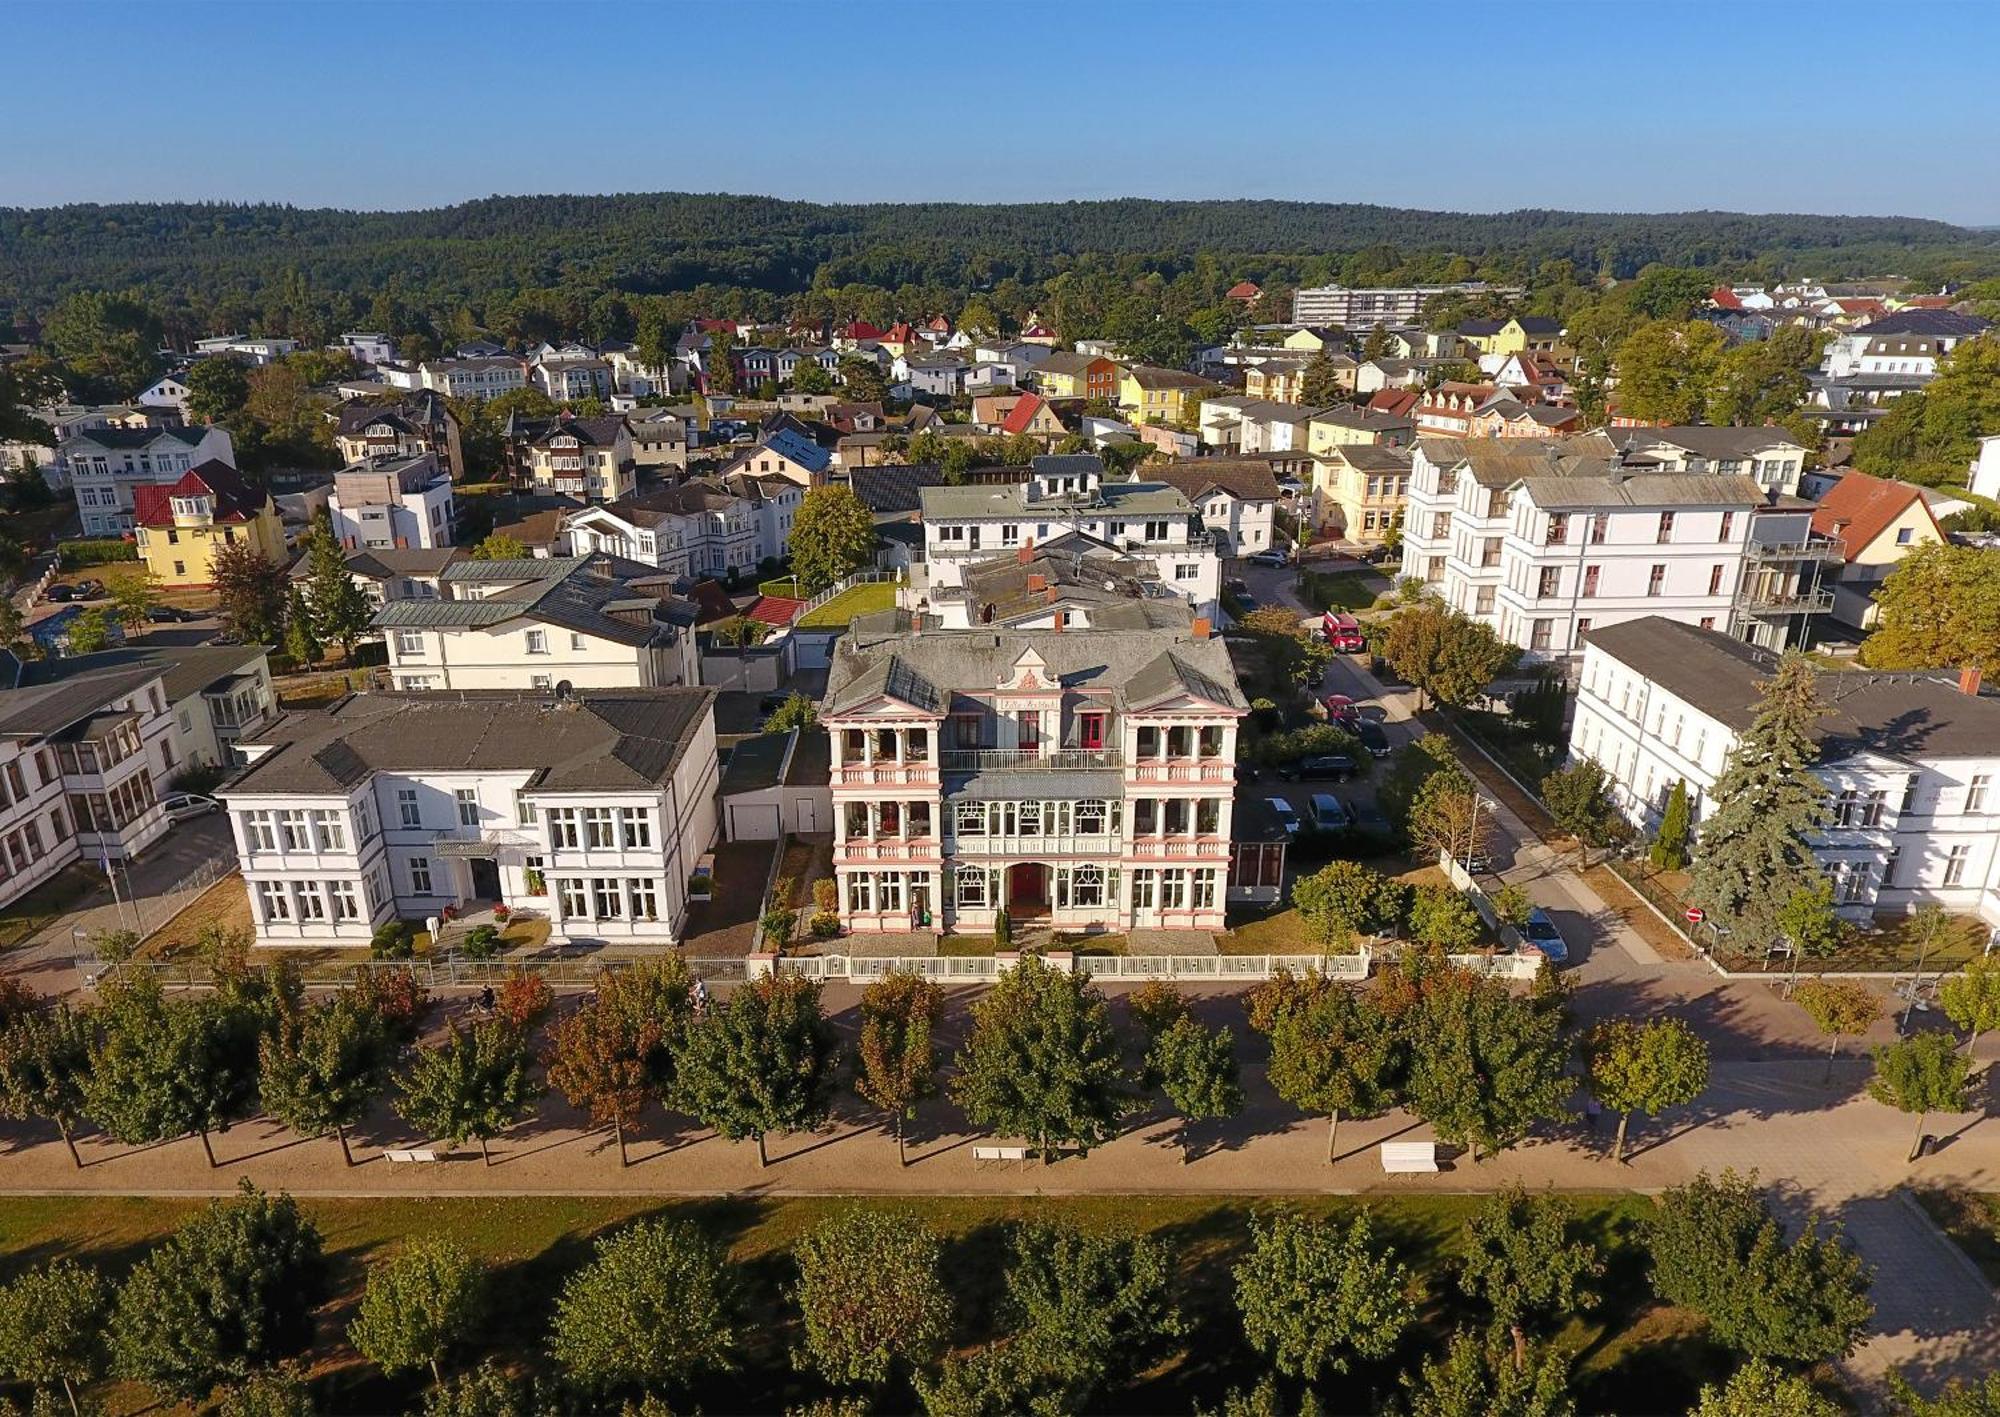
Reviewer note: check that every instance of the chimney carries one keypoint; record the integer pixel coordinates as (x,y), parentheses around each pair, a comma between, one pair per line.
(1025,555)
(1037,584)
(1968,680)
(1201,627)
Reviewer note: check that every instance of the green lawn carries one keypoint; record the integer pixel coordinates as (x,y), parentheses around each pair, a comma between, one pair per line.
(1632,1354)
(54,898)
(1341,590)
(855,600)
(1973,1222)
(785,586)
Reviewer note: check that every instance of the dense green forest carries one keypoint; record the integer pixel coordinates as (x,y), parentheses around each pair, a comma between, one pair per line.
(533,266)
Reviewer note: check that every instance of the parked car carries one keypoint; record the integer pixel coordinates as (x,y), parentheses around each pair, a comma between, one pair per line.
(183,805)
(1341,709)
(1477,864)
(169,615)
(60,594)
(87,589)
(1365,818)
(1270,558)
(1541,934)
(1330,814)
(1343,632)
(1336,766)
(1380,555)
(1372,737)
(1287,818)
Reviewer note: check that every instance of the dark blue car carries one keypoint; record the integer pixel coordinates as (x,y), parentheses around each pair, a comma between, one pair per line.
(1541,933)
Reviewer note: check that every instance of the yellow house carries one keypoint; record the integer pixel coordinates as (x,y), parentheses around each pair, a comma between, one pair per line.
(1150,394)
(183,526)
(1342,426)
(1311,340)
(1361,488)
(1518,334)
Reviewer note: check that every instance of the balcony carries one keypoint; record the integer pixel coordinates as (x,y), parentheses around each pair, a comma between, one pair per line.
(888,774)
(864,849)
(1016,759)
(1034,845)
(1785,602)
(1182,770)
(1813,548)
(1177,847)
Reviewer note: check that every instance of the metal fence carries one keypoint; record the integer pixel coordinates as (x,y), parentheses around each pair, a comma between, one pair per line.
(155,913)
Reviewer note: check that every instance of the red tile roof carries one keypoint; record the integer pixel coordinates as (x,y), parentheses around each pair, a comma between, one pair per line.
(1395,402)
(1859,508)
(778,610)
(234,501)
(1244,290)
(1723,298)
(861,329)
(1022,415)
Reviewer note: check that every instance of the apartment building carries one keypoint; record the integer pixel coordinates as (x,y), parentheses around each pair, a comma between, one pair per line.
(590,811)
(104,465)
(1236,500)
(1083,781)
(1546,541)
(540,624)
(1911,762)
(1361,487)
(250,349)
(587,458)
(567,380)
(397,502)
(81,763)
(1770,457)
(182,527)
(659,438)
(214,695)
(1069,584)
(702,527)
(1359,308)
(481,378)
(1068,496)
(364,430)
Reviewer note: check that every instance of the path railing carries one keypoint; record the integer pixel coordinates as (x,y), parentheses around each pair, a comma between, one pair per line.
(161,909)
(845,584)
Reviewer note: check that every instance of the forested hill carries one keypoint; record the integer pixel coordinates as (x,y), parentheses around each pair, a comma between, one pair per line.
(213,256)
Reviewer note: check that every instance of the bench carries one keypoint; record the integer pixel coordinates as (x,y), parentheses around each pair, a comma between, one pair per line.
(410,1155)
(1409,1156)
(1000,1153)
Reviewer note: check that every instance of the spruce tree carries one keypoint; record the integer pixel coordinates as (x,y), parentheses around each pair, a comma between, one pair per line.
(1670,843)
(1753,854)
(340,612)
(302,644)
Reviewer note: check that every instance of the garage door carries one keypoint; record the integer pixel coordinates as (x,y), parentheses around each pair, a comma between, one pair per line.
(753,821)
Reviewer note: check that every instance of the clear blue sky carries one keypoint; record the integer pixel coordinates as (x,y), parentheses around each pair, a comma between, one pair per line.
(1760,105)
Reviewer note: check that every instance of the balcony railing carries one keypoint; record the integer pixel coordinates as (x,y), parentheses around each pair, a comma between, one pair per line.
(1012,759)
(1183,770)
(1813,548)
(1760,602)
(1031,844)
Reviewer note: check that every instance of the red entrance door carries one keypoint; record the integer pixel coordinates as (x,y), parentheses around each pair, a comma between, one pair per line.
(1028,889)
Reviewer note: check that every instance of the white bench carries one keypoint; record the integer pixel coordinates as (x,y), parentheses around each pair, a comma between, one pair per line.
(411,1155)
(1000,1153)
(1409,1156)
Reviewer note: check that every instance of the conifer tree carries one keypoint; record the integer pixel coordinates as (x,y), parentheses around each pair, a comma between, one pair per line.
(1670,843)
(1753,853)
(340,612)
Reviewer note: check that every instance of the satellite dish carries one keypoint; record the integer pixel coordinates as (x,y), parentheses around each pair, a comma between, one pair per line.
(564,688)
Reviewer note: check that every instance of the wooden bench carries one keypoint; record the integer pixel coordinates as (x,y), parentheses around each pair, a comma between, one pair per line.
(1409,1156)
(1001,1153)
(411,1155)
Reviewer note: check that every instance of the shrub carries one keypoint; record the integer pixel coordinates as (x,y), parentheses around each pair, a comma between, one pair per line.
(1003,931)
(825,924)
(99,551)
(480,942)
(391,941)
(826,895)
(503,913)
(778,927)
(700,883)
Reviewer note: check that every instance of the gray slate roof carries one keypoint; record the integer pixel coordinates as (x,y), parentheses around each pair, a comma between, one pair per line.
(613,739)
(38,711)
(563,591)
(1904,716)
(184,670)
(1131,499)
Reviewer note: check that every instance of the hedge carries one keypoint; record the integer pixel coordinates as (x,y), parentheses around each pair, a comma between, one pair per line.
(100,551)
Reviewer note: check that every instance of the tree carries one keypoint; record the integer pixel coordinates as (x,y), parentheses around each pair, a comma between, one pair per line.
(1443,918)
(475,1084)
(269,1392)
(89,632)
(1717,1249)
(1755,849)
(1513,906)
(1319,381)
(323,1065)
(165,1068)
(1933,436)
(1314,1293)
(1579,800)
(863,378)
(1450,657)
(654,997)
(1043,1061)
(1670,843)
(250,592)
(232,1290)
(1645,1067)
(108,342)
(1196,1068)
(1808,921)
(44,1061)
(1086,1306)
(1667,370)
(340,611)
(1971,999)
(500,547)
(895,1059)
(598,1060)
(1476,1378)
(485,1391)
(13,629)
(1295,657)
(833,536)
(1413,766)
(1924,1073)
(133,594)
(797,711)
(761,1062)
(1762,381)
(871,1294)
(52,1327)
(218,387)
(808,377)
(1484,1065)
(1939,608)
(1345,899)
(302,645)
(1332,1050)
(651,1310)
(1757,1389)
(1838,1007)
(419,1305)
(1959,1398)
(1523,1261)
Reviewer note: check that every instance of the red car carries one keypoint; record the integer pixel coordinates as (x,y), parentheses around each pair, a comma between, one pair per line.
(1343,632)
(1341,709)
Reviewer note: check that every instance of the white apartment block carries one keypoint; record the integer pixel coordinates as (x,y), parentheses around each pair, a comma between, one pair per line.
(588,811)
(1237,501)
(214,695)
(1084,781)
(1911,762)
(701,527)
(473,378)
(393,503)
(1770,457)
(539,624)
(1363,308)
(103,465)
(366,347)
(567,380)
(251,349)
(169,391)
(1544,542)
(587,458)
(1068,496)
(82,761)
